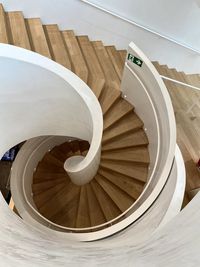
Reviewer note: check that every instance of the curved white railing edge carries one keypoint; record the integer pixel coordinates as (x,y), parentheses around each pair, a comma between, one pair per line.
(92,159)
(151,168)
(139,212)
(148,81)
(177,199)
(99,234)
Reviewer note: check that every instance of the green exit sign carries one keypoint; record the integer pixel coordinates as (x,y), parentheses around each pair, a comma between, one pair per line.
(135,60)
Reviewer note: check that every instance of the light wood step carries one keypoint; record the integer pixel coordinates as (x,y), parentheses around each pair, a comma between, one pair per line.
(108,98)
(45,185)
(47,167)
(122,54)
(135,139)
(37,37)
(3,26)
(74,145)
(174,94)
(127,184)
(122,200)
(78,63)
(193,79)
(120,109)
(50,159)
(116,59)
(83,219)
(136,154)
(112,79)
(67,215)
(180,97)
(56,45)
(39,177)
(96,79)
(84,147)
(159,68)
(95,212)
(44,197)
(108,207)
(130,123)
(65,148)
(57,153)
(130,169)
(60,202)
(19,35)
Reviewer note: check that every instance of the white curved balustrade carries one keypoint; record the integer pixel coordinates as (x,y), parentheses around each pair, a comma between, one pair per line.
(40,97)
(41,100)
(142,87)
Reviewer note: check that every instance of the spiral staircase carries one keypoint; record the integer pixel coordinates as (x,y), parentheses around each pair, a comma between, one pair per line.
(123,169)
(100,159)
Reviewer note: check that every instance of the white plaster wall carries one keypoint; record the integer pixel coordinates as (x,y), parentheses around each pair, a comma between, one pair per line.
(176,19)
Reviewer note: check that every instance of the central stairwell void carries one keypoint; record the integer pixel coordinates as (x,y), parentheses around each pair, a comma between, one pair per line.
(100,149)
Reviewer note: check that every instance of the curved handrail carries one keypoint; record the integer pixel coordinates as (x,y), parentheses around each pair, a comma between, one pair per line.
(52,85)
(162,148)
(161,160)
(143,93)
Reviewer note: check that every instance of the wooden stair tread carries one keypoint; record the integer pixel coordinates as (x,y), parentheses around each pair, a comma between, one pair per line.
(110,74)
(44,197)
(56,45)
(67,216)
(64,148)
(83,219)
(51,159)
(136,154)
(37,37)
(60,202)
(3,26)
(108,98)
(120,109)
(108,207)
(39,177)
(78,63)
(84,147)
(43,167)
(159,68)
(74,146)
(128,185)
(57,153)
(96,79)
(19,35)
(95,212)
(134,139)
(116,59)
(47,167)
(180,97)
(122,54)
(129,123)
(45,185)
(135,171)
(122,200)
